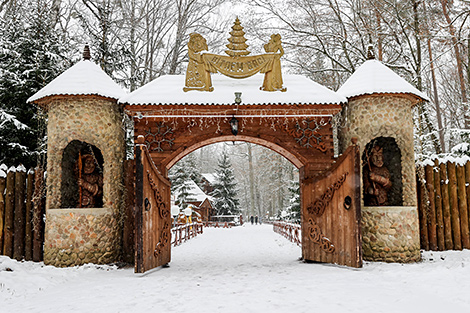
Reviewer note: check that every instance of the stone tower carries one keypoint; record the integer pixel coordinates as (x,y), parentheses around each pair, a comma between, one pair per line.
(83,118)
(379,113)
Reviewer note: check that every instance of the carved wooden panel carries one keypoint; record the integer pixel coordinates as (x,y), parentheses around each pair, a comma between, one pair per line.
(153,220)
(331,213)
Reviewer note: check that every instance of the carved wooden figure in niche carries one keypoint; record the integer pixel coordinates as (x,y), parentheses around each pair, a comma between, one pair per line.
(90,182)
(377,181)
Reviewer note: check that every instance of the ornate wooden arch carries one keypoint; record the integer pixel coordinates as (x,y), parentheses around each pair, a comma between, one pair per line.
(330,200)
(294,159)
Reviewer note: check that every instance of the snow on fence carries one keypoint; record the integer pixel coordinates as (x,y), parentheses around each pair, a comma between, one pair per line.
(185,232)
(444,205)
(288,230)
(22,206)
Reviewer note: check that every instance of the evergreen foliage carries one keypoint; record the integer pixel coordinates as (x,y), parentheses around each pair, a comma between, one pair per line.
(225,192)
(30,57)
(179,178)
(293,209)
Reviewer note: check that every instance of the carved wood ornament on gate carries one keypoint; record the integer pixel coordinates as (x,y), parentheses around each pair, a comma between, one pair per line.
(237,64)
(164,213)
(317,208)
(319,205)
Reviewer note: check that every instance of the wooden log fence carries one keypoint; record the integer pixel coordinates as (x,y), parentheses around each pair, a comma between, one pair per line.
(444,206)
(185,232)
(22,208)
(289,230)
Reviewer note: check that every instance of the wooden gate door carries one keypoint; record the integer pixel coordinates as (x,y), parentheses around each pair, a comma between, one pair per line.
(153,220)
(331,213)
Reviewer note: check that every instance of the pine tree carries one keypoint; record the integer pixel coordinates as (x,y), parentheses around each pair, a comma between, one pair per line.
(225,193)
(237,46)
(30,57)
(179,177)
(293,209)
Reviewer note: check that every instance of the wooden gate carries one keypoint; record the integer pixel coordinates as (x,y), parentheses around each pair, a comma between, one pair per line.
(331,216)
(153,219)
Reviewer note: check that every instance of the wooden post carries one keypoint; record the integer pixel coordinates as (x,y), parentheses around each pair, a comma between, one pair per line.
(129,215)
(467,180)
(28,245)
(38,211)
(9,213)
(439,215)
(2,209)
(462,192)
(431,208)
(20,215)
(446,207)
(454,206)
(423,220)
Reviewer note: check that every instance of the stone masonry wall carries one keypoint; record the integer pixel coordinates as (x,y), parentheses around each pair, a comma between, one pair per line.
(77,236)
(390,234)
(92,119)
(80,236)
(373,116)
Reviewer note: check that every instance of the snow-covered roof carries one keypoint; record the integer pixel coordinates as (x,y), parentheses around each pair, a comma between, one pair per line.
(168,89)
(196,194)
(209,177)
(373,77)
(84,78)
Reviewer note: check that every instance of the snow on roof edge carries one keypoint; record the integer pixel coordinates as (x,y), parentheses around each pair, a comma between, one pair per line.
(83,78)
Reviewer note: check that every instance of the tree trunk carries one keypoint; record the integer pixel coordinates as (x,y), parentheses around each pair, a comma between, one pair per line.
(458,59)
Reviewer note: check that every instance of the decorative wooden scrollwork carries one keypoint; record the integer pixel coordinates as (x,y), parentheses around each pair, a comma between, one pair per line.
(161,206)
(315,234)
(319,205)
(163,135)
(165,237)
(308,136)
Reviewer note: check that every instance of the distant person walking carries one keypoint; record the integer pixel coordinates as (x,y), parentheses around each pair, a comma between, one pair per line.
(252,219)
(256,219)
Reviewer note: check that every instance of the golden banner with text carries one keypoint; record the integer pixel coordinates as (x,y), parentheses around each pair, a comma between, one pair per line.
(240,67)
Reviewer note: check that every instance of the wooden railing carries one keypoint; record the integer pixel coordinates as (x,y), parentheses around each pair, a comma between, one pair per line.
(219,224)
(185,232)
(288,230)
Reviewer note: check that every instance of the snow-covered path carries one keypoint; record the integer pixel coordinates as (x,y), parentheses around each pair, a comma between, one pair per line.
(243,269)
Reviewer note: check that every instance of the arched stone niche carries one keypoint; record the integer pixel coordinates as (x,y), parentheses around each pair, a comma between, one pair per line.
(391,162)
(69,187)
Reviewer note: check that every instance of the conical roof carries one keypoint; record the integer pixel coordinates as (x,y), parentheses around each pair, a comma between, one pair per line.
(373,77)
(83,78)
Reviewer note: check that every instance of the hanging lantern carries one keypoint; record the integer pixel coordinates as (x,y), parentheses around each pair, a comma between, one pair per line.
(234,125)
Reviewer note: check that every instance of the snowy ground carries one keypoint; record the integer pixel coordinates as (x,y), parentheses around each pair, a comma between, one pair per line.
(243,269)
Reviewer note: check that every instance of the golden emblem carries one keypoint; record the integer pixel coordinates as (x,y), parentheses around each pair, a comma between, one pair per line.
(237,64)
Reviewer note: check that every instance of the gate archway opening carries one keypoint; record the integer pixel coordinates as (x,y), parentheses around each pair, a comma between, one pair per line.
(265,182)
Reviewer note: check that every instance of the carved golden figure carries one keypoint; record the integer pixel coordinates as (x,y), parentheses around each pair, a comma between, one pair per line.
(238,64)
(273,78)
(90,183)
(377,181)
(197,77)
